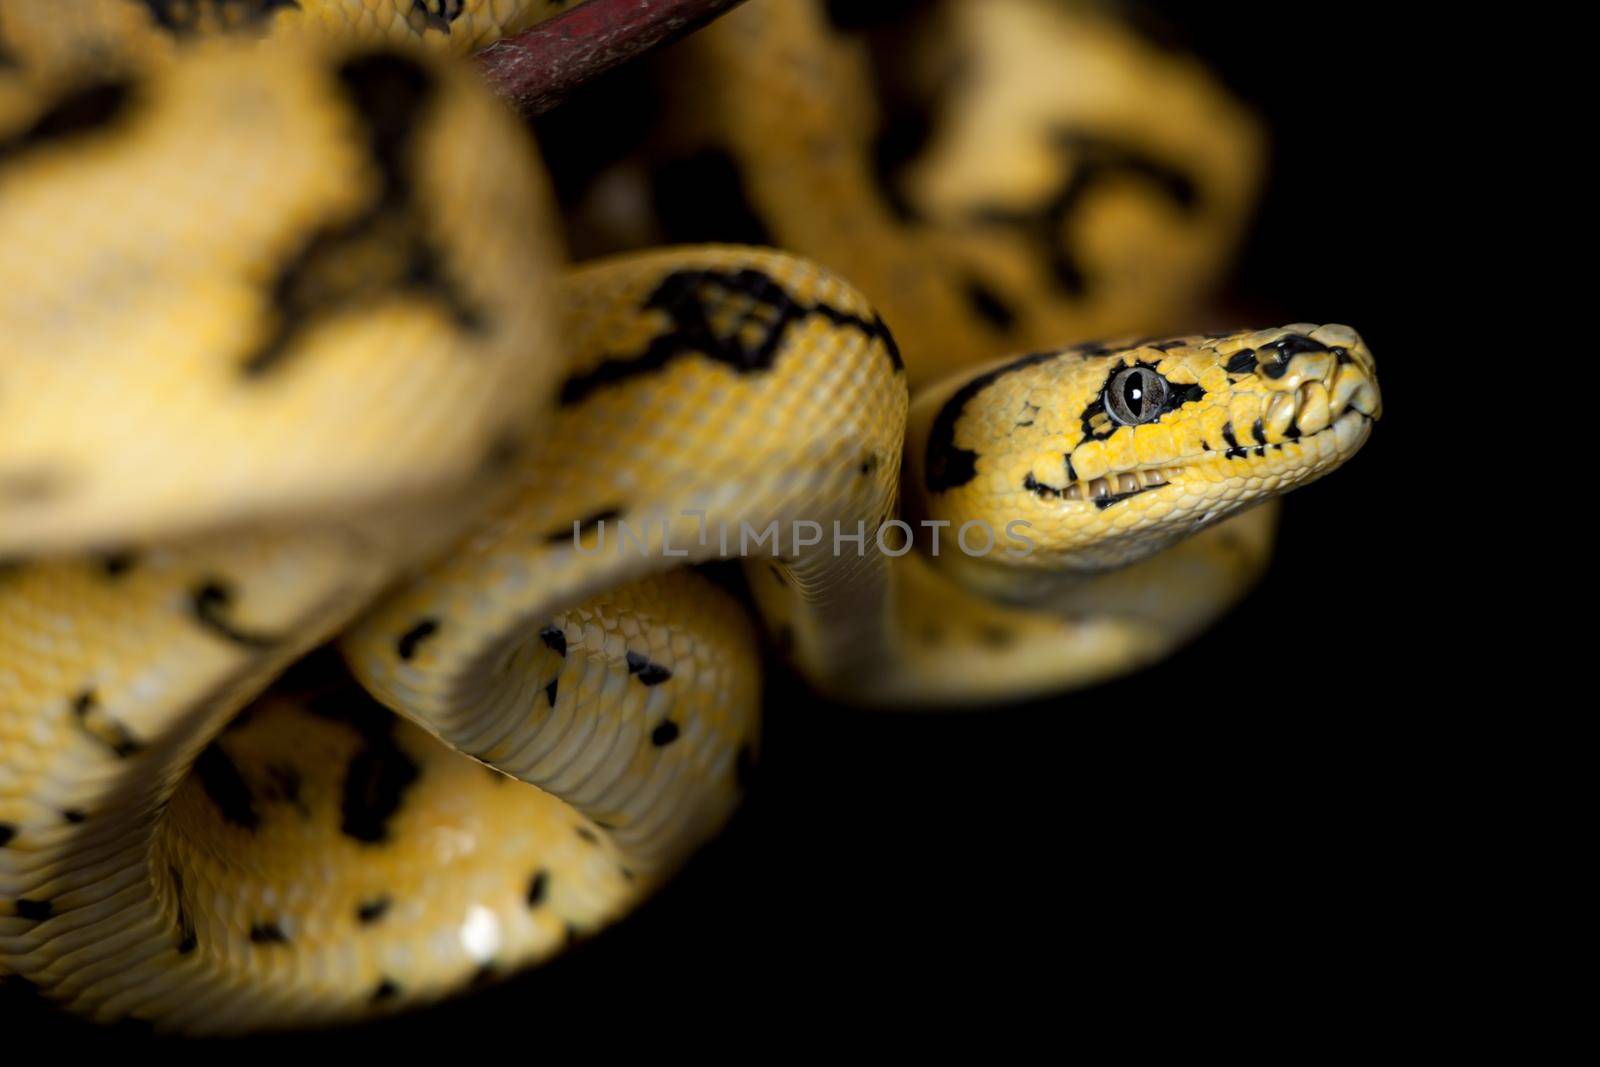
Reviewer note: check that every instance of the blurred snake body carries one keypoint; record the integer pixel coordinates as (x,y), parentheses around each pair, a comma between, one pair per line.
(290,358)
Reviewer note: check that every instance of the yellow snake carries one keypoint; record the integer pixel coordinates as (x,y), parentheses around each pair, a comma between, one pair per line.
(289,358)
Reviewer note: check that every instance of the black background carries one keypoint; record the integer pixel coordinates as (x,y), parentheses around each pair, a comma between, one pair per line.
(1230,838)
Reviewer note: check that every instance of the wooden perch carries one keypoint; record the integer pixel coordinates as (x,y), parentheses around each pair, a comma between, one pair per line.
(535,70)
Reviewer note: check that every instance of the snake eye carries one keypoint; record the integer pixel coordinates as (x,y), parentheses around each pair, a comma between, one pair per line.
(1135,395)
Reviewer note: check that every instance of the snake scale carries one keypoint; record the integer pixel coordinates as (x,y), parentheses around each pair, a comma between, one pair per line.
(330,681)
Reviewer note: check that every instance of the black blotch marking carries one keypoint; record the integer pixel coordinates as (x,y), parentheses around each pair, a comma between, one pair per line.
(588,835)
(946,465)
(996,636)
(664,734)
(1234,450)
(188,940)
(185,17)
(1341,356)
(81,111)
(586,525)
(283,787)
(388,92)
(689,298)
(1259,432)
(1096,161)
(868,465)
(116,564)
(744,766)
(370,911)
(855,15)
(222,782)
(8,59)
(550,691)
(104,729)
(1038,488)
(537,888)
(375,784)
(502,453)
(989,306)
(438,14)
(209,601)
(8,833)
(387,990)
(1285,349)
(74,816)
(701,199)
(1241,362)
(406,647)
(554,639)
(648,673)
(268,933)
(37,910)
(1116,498)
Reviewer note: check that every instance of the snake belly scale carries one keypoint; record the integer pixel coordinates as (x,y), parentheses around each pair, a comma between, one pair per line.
(330,679)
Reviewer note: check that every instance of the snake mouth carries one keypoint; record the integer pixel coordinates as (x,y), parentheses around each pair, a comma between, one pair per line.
(1110,488)
(1113,488)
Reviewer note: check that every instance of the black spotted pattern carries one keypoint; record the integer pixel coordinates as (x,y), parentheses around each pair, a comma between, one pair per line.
(406,646)
(1095,161)
(578,529)
(186,17)
(371,911)
(375,784)
(81,111)
(36,910)
(645,671)
(690,298)
(389,93)
(537,887)
(267,933)
(100,726)
(225,786)
(210,601)
(947,465)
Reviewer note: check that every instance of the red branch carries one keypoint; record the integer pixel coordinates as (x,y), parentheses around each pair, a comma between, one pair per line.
(537,69)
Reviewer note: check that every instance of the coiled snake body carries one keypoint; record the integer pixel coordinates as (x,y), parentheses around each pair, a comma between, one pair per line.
(289,359)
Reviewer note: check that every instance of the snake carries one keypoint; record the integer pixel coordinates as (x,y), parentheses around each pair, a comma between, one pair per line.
(353,647)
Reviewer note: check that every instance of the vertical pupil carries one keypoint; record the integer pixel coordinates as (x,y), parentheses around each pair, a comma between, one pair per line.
(1133,392)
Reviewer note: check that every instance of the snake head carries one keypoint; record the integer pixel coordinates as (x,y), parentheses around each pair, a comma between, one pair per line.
(1112,453)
